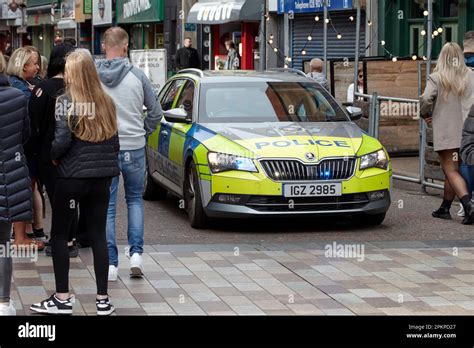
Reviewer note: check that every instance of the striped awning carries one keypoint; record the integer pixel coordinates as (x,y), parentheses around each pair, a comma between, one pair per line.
(218,12)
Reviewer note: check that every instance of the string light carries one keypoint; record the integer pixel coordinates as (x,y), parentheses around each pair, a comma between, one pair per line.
(351,18)
(327,20)
(424,58)
(425,13)
(339,36)
(275,49)
(440,30)
(316,18)
(310,38)
(423,33)
(394,59)
(303,52)
(382,43)
(369,23)
(435,33)
(414,57)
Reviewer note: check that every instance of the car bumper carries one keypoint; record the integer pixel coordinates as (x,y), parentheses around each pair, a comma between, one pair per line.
(223,210)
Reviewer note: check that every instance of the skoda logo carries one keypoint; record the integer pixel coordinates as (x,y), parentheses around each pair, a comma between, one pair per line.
(310,156)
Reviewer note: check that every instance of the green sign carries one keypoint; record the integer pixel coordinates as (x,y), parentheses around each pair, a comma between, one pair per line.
(87,6)
(140,11)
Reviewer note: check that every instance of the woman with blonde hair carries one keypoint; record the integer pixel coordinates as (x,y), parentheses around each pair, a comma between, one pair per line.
(85,149)
(448,97)
(23,67)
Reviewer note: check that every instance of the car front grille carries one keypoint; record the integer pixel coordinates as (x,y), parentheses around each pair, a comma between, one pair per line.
(293,170)
(283,204)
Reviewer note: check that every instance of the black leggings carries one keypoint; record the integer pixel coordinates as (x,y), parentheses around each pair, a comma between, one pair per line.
(93,196)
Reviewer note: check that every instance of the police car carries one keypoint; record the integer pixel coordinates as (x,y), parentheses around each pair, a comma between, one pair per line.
(273,143)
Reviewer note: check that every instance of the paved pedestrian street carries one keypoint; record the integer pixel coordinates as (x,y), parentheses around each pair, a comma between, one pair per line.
(378,278)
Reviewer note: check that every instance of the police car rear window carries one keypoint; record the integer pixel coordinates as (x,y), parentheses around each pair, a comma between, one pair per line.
(244,102)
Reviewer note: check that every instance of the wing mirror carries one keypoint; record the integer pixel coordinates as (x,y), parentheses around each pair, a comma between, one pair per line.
(177,115)
(355,113)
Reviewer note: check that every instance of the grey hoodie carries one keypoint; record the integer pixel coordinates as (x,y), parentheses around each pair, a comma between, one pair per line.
(131,90)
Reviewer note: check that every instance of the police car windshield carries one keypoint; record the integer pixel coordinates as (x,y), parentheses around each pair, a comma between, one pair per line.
(247,102)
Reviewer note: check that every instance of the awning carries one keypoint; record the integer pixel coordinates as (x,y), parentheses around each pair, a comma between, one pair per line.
(67,24)
(218,12)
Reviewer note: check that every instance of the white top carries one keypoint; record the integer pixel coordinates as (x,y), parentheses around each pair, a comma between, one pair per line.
(350,92)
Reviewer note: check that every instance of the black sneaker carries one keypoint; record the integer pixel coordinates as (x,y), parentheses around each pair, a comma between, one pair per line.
(104,307)
(39,234)
(442,213)
(53,305)
(469,214)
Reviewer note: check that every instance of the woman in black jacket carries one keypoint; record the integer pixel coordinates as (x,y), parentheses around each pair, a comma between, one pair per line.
(42,115)
(85,149)
(15,184)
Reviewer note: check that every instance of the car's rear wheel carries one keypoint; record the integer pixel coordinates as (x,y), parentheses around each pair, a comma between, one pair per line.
(192,196)
(152,191)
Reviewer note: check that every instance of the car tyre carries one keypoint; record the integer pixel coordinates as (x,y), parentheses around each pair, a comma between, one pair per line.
(193,201)
(152,190)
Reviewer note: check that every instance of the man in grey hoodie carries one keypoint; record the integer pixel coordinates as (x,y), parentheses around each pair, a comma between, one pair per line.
(131,90)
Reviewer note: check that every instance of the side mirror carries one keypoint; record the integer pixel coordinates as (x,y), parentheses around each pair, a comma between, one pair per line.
(355,113)
(177,115)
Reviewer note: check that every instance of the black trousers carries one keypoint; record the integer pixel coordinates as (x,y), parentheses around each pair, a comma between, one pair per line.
(93,196)
(48,174)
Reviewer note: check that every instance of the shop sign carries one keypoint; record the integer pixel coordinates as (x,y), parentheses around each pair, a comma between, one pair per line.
(87,6)
(140,11)
(101,12)
(153,64)
(310,6)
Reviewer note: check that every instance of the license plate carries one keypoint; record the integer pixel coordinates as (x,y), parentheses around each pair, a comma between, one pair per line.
(312,190)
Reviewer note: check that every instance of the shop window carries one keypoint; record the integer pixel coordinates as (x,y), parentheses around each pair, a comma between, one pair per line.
(450,8)
(450,33)
(416,40)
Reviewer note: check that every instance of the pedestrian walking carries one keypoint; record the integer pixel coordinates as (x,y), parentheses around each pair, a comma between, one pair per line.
(42,108)
(187,56)
(233,58)
(131,90)
(316,73)
(23,66)
(15,185)
(85,148)
(445,103)
(467,154)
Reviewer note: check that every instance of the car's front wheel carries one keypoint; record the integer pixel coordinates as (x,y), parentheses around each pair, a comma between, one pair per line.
(192,196)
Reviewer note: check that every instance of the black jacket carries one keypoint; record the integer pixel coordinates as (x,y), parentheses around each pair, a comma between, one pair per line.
(187,57)
(42,110)
(15,184)
(467,141)
(81,159)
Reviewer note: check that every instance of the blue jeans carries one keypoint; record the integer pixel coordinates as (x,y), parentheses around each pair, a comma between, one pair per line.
(132,167)
(467,171)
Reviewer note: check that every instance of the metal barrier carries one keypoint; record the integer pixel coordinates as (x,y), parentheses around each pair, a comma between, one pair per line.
(373,130)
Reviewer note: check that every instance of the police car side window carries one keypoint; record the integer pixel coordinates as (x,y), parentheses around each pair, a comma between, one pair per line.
(186,98)
(171,94)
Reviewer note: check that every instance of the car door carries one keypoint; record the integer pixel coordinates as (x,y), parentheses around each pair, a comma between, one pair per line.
(185,100)
(165,168)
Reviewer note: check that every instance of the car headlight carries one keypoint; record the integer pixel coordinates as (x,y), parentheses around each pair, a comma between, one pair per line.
(374,160)
(221,162)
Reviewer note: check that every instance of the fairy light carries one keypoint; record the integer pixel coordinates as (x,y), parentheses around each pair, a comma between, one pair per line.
(382,42)
(394,59)
(351,18)
(425,13)
(327,20)
(310,38)
(303,52)
(423,32)
(339,36)
(414,57)
(316,18)
(440,30)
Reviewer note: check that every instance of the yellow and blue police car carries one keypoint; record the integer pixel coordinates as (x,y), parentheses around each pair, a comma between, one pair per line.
(273,143)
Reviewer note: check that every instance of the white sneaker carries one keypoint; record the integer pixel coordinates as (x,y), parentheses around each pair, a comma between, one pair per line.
(113,273)
(7,309)
(136,266)
(461,212)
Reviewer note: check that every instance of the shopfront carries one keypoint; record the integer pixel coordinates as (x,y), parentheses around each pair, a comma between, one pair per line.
(143,20)
(42,17)
(237,20)
(102,18)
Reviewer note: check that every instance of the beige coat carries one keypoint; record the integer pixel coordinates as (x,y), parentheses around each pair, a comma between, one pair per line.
(448,114)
